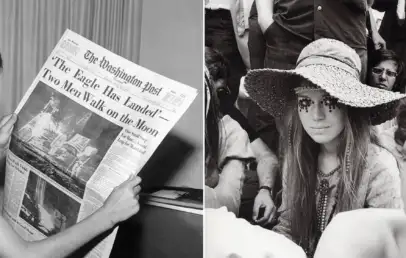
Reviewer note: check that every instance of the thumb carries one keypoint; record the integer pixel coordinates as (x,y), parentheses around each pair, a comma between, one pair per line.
(9,118)
(4,119)
(255,211)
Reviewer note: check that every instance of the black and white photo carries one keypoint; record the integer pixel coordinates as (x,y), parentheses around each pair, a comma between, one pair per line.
(47,208)
(61,138)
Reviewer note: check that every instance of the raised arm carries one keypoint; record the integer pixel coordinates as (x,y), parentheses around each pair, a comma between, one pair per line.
(266,169)
(120,205)
(400,10)
(229,189)
(379,42)
(236,152)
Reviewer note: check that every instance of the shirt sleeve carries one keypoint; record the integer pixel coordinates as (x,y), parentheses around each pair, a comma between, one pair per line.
(229,187)
(400,9)
(384,188)
(235,143)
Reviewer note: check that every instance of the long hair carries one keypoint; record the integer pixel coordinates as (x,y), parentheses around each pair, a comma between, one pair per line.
(217,64)
(212,132)
(301,166)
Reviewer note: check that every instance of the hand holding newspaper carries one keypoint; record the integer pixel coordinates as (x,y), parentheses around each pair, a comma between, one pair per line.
(87,122)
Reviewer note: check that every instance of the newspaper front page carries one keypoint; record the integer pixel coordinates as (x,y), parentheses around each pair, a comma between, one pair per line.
(89,120)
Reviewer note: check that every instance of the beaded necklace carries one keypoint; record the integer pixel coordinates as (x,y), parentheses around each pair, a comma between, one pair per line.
(324,189)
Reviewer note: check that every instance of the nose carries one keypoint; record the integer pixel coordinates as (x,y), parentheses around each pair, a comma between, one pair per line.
(318,112)
(383,76)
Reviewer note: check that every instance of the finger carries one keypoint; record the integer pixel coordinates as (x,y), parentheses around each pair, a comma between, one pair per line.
(4,119)
(268,210)
(137,190)
(272,217)
(7,143)
(255,211)
(5,136)
(8,124)
(136,180)
(5,140)
(267,213)
(131,176)
(128,180)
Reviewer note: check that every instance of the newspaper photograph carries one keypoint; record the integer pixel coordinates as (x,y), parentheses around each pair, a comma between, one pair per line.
(47,208)
(89,120)
(61,138)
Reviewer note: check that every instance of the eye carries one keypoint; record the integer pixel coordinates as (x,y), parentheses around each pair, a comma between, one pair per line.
(377,70)
(391,73)
(304,104)
(330,102)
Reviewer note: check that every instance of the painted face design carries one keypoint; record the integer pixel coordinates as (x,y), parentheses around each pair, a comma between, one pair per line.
(328,101)
(321,115)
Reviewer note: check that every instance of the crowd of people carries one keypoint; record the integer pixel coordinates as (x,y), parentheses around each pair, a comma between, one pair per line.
(307,99)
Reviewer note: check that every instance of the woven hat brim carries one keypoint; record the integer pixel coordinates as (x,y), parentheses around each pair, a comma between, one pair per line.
(271,89)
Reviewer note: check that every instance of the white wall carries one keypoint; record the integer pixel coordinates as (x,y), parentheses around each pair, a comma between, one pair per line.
(172,45)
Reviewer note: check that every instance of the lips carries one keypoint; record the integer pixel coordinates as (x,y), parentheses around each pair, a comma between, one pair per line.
(319,127)
(382,86)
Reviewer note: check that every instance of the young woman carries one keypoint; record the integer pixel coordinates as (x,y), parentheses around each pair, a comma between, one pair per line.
(330,164)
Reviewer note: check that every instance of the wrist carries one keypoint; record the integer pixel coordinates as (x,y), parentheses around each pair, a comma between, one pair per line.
(265,189)
(102,217)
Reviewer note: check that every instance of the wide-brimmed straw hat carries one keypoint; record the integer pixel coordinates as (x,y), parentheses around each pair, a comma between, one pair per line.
(330,65)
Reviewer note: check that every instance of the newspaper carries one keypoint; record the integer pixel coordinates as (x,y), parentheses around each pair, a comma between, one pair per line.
(89,120)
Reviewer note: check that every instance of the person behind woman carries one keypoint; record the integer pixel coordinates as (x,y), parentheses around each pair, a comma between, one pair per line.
(394,139)
(266,160)
(330,164)
(386,71)
(227,153)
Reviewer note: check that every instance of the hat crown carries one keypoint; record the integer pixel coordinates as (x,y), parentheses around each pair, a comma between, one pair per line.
(340,54)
